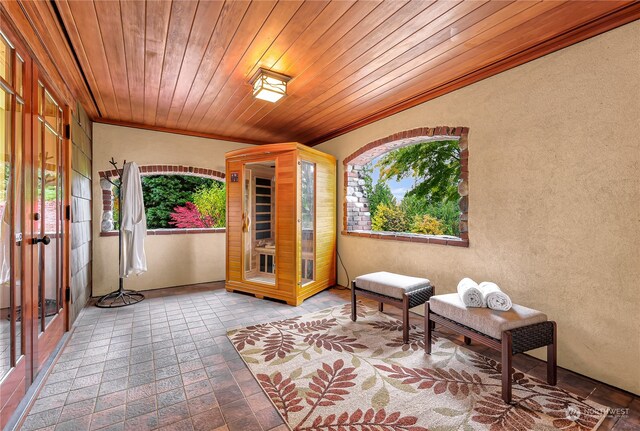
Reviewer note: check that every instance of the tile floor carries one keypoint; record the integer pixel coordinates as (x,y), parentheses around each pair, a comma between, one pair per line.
(167,364)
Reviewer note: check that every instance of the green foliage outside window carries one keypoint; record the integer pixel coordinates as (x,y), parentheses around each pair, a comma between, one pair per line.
(431,206)
(211,202)
(427,225)
(166,197)
(435,166)
(378,193)
(162,193)
(390,219)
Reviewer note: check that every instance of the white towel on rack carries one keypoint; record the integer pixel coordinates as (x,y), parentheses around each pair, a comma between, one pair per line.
(469,293)
(133,224)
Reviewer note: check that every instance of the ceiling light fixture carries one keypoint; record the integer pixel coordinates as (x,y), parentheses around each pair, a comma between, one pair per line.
(268,85)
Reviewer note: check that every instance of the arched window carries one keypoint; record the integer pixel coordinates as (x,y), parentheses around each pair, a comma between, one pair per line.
(178,199)
(429,168)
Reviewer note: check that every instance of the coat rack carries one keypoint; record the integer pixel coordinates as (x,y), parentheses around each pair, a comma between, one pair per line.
(120,297)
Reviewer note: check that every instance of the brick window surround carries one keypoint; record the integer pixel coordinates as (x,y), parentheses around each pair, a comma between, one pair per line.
(356,215)
(106,224)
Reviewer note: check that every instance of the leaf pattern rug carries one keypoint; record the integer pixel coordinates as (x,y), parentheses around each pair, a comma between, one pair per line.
(324,372)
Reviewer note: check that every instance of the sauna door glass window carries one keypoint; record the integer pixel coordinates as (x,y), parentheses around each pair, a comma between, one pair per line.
(308,220)
(258,222)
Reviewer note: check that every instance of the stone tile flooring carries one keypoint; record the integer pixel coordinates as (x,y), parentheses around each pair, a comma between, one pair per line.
(167,364)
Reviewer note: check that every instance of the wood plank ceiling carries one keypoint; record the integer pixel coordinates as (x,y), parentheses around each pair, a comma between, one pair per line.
(185,65)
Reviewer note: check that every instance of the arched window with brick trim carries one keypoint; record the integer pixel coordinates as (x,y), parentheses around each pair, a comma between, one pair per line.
(185,217)
(357,216)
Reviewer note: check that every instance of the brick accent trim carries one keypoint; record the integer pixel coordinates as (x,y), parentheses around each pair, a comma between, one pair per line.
(170,170)
(356,216)
(107,194)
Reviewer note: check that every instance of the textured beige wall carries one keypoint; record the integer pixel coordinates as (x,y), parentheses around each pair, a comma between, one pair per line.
(172,260)
(554,209)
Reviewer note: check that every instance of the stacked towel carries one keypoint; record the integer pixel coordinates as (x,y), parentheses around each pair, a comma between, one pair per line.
(485,294)
(493,297)
(469,293)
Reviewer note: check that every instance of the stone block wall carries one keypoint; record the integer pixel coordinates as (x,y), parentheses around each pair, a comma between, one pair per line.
(81,149)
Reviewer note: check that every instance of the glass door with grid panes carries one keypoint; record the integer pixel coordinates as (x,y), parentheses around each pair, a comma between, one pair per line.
(14,324)
(48,220)
(33,223)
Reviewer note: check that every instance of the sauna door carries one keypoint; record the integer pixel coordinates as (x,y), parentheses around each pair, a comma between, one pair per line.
(258,222)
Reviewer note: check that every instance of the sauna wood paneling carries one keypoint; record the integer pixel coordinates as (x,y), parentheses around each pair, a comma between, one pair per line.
(288,229)
(325,229)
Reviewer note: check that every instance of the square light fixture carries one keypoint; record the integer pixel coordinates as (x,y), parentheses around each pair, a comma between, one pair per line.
(268,85)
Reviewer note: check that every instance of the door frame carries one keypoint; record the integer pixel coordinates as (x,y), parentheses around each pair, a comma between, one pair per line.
(37,349)
(14,384)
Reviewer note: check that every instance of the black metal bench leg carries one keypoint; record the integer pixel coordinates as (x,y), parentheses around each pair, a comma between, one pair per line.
(353,301)
(507,374)
(427,329)
(467,341)
(552,358)
(380,306)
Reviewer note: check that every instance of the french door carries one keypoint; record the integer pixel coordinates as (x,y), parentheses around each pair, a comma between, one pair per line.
(33,225)
(14,292)
(48,242)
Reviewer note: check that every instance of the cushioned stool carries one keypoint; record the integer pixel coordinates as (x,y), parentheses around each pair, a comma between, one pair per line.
(395,289)
(510,332)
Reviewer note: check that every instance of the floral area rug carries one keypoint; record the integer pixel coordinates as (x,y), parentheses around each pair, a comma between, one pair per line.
(324,372)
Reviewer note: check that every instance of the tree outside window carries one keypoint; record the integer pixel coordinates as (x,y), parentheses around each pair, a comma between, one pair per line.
(415,189)
(181,202)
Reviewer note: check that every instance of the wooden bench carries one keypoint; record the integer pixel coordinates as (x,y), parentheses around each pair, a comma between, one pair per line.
(515,331)
(387,288)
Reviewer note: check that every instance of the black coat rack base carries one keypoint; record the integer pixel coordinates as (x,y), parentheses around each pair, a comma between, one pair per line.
(120,297)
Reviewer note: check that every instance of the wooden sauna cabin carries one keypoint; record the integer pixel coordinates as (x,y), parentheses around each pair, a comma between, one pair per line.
(281,221)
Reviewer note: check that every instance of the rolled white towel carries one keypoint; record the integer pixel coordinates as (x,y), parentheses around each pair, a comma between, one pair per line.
(485,288)
(469,293)
(493,297)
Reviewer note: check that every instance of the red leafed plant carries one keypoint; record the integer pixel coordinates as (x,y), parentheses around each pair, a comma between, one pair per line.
(189,216)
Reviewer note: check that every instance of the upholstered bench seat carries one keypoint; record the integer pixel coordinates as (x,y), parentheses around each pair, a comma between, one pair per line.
(389,284)
(511,332)
(387,288)
(485,320)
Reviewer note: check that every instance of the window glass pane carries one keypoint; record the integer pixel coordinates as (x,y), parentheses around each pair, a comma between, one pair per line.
(258,222)
(5,59)
(5,231)
(19,75)
(40,98)
(51,223)
(17,255)
(307,196)
(51,111)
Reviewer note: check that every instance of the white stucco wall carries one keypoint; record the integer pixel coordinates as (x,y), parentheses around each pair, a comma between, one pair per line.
(172,260)
(554,203)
